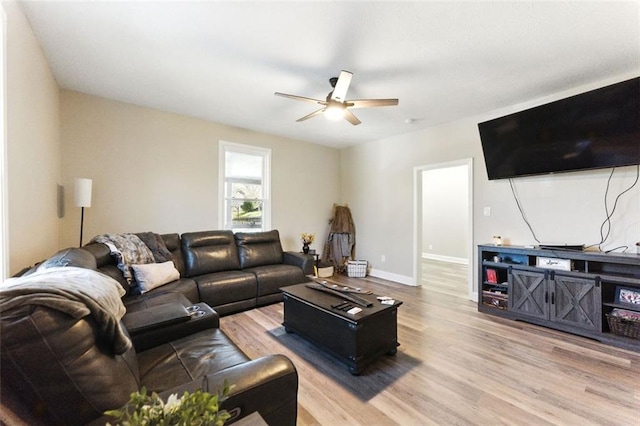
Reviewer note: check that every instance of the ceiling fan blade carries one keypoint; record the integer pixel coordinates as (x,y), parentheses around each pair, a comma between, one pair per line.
(340,91)
(368,103)
(300,98)
(313,114)
(348,115)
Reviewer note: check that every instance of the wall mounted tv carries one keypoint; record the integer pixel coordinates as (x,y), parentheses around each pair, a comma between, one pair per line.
(592,130)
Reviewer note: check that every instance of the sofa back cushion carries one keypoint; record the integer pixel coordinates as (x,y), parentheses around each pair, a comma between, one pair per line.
(259,248)
(172,241)
(209,251)
(59,368)
(70,257)
(107,264)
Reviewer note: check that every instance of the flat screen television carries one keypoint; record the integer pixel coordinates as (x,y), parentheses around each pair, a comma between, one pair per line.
(595,129)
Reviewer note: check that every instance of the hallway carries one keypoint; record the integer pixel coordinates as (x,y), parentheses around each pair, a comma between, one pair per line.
(445,277)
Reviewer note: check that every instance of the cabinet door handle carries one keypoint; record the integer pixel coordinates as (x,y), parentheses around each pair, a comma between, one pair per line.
(546,297)
(553,297)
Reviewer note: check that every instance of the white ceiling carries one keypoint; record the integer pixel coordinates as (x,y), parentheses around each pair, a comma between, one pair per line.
(223,60)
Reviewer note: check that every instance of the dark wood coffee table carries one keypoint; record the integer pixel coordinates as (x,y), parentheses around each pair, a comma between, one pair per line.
(355,339)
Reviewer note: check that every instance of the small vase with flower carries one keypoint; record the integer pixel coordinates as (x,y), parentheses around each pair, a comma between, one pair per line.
(307,239)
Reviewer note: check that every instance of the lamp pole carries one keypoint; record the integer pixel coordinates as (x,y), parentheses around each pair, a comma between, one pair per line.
(81,224)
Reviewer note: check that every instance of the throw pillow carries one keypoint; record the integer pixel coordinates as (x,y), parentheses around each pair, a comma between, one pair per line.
(152,275)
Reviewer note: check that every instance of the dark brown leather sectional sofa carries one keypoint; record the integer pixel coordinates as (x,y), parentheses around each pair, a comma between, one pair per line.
(57,369)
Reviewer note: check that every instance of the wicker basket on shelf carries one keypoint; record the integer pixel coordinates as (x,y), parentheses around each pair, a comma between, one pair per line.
(624,326)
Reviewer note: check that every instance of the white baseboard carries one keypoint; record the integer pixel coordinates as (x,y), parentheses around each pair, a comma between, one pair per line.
(402,279)
(450,259)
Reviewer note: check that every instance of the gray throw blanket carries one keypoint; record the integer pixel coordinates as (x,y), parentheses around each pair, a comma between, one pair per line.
(157,246)
(128,249)
(77,292)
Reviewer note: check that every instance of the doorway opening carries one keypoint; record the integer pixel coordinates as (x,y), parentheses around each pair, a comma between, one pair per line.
(443,238)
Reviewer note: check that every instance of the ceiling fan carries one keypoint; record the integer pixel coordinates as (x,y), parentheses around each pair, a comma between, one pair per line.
(335,106)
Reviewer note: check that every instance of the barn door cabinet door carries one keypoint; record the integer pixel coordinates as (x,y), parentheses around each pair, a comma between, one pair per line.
(576,301)
(528,292)
(573,300)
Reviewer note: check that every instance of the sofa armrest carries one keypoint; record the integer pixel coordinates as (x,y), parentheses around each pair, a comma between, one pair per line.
(268,385)
(139,302)
(150,319)
(202,317)
(303,261)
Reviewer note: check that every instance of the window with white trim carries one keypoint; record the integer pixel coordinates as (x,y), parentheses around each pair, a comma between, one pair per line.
(244,187)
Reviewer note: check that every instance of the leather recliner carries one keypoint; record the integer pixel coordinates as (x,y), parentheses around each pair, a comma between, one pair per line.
(56,369)
(261,254)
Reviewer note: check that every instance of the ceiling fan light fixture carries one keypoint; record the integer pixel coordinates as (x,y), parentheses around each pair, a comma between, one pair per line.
(334,112)
(336,106)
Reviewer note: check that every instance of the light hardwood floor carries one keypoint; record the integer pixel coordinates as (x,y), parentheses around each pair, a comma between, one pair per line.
(454,366)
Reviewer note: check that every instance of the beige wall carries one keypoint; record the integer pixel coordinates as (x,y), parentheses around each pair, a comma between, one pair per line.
(157,171)
(33,146)
(568,208)
(378,185)
(151,170)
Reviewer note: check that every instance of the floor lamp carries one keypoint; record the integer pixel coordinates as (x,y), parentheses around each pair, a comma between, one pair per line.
(82,198)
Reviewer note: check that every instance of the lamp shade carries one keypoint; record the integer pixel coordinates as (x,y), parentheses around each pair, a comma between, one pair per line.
(82,192)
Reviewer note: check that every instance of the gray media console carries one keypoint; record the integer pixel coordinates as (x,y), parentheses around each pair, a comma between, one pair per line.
(571,291)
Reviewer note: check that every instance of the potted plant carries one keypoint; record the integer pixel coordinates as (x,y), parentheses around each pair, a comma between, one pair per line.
(193,409)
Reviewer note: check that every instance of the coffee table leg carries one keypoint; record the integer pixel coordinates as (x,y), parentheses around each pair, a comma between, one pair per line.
(392,352)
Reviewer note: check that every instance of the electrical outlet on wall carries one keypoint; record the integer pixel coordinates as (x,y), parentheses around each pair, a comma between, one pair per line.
(383,258)
(430,247)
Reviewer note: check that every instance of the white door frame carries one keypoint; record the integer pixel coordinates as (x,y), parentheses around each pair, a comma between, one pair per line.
(4,190)
(417,218)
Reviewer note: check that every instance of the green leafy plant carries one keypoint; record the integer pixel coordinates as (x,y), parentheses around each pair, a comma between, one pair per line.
(247,206)
(192,409)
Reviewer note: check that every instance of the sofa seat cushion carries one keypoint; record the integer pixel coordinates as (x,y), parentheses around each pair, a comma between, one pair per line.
(181,361)
(221,288)
(272,277)
(267,385)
